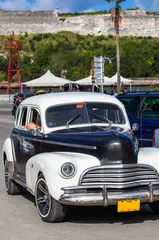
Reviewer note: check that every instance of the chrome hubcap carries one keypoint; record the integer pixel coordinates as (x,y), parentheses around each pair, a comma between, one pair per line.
(43,198)
(7,179)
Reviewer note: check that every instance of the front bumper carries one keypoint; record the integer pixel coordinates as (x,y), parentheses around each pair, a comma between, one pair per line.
(102,195)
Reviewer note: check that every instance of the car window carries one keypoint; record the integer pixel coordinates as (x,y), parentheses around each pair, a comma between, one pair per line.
(108,111)
(150,108)
(131,104)
(35,117)
(17,116)
(23,115)
(61,115)
(84,113)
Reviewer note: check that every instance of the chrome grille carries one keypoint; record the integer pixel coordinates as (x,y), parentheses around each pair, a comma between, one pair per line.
(119,175)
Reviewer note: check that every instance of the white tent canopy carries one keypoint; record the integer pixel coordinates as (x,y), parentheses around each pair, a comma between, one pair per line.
(48,79)
(88,81)
(85,81)
(122,79)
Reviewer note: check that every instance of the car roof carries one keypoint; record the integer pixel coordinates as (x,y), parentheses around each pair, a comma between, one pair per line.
(139,93)
(49,99)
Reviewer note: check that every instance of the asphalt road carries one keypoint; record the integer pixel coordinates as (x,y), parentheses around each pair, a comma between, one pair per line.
(19,219)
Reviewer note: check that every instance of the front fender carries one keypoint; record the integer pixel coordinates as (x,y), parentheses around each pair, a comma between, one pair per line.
(150,156)
(50,164)
(155,139)
(7,151)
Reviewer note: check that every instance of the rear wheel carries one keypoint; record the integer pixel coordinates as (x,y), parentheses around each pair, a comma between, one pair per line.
(48,208)
(155,207)
(12,188)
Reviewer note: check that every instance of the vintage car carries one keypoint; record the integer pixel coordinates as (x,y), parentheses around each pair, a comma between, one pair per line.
(79,151)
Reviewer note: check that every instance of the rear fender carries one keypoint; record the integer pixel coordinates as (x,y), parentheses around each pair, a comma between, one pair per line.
(7,151)
(155,139)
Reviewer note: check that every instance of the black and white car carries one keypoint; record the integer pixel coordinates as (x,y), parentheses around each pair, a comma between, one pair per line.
(83,154)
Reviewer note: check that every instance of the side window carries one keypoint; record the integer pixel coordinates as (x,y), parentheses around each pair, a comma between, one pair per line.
(150,108)
(17,116)
(23,116)
(131,105)
(35,117)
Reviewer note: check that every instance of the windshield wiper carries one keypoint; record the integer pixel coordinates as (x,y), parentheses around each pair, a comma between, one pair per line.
(72,120)
(101,118)
(104,128)
(101,127)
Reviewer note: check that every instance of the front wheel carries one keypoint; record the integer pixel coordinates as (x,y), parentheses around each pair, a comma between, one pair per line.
(155,207)
(49,209)
(12,188)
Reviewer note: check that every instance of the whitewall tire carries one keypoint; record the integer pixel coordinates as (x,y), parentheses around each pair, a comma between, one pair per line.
(48,209)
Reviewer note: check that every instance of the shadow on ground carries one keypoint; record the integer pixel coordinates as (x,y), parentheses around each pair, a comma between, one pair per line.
(98,215)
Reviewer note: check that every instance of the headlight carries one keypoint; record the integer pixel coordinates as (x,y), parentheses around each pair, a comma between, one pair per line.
(68,170)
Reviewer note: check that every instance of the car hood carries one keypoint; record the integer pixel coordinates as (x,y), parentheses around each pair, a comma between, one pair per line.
(109,146)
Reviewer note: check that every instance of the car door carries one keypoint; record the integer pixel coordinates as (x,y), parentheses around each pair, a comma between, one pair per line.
(30,143)
(25,143)
(132,105)
(148,120)
(142,109)
(17,139)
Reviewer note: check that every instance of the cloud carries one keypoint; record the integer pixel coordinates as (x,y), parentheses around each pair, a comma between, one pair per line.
(75,5)
(68,5)
(147,5)
(12,5)
(64,5)
(44,5)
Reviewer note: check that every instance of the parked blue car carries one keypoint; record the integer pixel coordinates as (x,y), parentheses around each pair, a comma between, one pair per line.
(142,108)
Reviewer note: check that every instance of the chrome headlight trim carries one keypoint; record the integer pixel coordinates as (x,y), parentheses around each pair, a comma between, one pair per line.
(68,170)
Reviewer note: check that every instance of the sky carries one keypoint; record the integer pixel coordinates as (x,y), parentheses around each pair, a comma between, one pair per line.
(72,6)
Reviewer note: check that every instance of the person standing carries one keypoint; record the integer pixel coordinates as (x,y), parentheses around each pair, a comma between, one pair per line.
(18,99)
(125,90)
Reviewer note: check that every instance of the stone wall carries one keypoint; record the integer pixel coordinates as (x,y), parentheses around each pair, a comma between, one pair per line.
(30,22)
(134,23)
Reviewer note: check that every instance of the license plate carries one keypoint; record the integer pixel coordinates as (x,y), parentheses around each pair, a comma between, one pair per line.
(128,205)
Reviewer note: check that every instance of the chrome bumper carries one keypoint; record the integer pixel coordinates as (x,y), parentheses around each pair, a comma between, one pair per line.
(103,196)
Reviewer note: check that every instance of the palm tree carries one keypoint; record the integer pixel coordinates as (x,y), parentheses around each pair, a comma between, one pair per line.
(116,18)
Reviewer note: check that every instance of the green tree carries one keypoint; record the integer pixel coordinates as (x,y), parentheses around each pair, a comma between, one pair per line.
(3,64)
(116,18)
(3,76)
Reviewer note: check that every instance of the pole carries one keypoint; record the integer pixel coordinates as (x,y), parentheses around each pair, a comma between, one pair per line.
(93,79)
(92,87)
(102,70)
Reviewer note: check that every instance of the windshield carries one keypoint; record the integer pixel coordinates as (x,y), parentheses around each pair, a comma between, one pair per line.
(84,113)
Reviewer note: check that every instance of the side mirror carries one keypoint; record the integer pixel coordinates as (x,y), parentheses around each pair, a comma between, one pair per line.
(135,127)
